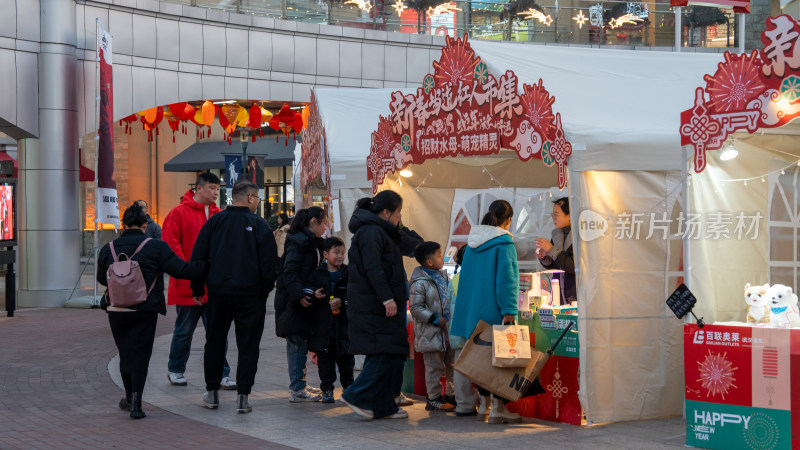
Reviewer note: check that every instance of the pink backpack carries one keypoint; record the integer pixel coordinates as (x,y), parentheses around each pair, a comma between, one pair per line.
(126,286)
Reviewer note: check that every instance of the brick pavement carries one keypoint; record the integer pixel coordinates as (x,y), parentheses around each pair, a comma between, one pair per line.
(56,391)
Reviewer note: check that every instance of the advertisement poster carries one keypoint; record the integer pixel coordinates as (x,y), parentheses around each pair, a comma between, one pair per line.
(106,195)
(6,212)
(738,386)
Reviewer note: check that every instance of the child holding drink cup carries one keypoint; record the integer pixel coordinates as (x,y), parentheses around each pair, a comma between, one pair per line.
(330,339)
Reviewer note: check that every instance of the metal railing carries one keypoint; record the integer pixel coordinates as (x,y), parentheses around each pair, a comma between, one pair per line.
(571,22)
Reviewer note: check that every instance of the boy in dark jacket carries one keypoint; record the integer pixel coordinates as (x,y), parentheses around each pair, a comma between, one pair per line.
(329,338)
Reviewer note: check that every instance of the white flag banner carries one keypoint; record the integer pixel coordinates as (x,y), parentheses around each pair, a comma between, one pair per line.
(106,194)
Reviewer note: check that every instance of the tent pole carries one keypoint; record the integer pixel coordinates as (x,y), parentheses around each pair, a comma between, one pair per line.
(741,32)
(678,28)
(95,247)
(687,261)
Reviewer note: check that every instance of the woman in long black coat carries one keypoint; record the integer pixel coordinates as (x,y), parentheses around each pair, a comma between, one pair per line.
(134,327)
(293,313)
(378,295)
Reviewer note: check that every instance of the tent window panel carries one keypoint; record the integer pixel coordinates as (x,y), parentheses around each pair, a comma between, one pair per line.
(462,226)
(782,275)
(782,243)
(784,199)
(473,209)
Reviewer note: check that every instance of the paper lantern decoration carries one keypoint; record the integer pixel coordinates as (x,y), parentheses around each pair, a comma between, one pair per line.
(254,120)
(178,109)
(297,125)
(266,116)
(209,112)
(306,113)
(152,115)
(223,120)
(198,117)
(285,117)
(174,123)
(188,113)
(127,121)
(241,116)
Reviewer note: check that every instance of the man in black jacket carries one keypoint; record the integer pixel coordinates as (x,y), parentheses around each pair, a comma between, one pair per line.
(243,258)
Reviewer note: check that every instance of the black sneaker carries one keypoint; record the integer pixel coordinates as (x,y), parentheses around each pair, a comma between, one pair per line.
(327,396)
(450,399)
(438,404)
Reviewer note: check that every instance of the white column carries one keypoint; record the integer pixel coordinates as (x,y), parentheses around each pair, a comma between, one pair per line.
(678,29)
(742,17)
(49,254)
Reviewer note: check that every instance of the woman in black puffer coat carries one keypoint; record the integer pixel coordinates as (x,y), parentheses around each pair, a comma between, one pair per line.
(134,327)
(293,316)
(378,295)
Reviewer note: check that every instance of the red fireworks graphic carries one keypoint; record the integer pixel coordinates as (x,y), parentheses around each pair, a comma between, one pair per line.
(736,82)
(716,374)
(383,139)
(538,108)
(457,63)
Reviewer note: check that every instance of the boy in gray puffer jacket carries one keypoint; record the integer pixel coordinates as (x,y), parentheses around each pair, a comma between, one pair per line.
(431,314)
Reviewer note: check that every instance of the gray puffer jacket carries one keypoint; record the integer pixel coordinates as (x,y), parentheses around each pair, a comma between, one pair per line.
(424,302)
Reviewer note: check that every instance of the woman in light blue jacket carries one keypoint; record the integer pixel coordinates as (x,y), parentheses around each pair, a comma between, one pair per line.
(489,288)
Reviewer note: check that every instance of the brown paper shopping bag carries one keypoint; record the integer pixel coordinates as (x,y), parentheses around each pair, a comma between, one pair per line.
(511,345)
(475,362)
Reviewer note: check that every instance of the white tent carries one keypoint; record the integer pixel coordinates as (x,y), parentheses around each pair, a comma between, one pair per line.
(620,109)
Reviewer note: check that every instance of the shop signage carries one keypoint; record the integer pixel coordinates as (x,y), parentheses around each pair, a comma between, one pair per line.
(738,386)
(464,110)
(106,203)
(314,153)
(681,301)
(747,92)
(739,6)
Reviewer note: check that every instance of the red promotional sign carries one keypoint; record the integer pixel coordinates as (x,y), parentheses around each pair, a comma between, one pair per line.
(747,92)
(739,6)
(717,369)
(462,109)
(106,193)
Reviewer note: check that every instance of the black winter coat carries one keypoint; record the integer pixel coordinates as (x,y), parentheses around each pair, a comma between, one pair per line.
(326,325)
(376,275)
(301,257)
(154,259)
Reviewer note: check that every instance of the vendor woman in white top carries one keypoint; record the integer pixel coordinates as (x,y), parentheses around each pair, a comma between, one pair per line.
(557,252)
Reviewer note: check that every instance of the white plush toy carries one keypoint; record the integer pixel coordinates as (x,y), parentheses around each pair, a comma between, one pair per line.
(783,306)
(758,307)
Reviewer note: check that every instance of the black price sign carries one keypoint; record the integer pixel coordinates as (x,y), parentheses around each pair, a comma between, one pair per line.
(681,301)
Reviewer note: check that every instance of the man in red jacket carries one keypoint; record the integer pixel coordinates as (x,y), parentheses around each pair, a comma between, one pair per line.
(180,230)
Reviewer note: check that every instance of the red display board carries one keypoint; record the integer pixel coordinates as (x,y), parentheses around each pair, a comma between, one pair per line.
(464,110)
(739,387)
(747,92)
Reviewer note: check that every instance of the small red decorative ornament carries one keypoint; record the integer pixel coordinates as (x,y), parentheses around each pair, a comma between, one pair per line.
(747,92)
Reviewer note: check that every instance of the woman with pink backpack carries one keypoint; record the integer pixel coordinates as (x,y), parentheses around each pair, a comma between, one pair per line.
(133,266)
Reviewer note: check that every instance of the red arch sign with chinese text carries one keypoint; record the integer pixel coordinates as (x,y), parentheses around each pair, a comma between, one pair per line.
(747,92)
(462,109)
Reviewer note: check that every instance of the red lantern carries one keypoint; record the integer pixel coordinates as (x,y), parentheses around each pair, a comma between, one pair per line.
(177,109)
(254,121)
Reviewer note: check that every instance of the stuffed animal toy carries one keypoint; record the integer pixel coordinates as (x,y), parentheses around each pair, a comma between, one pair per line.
(756,299)
(783,306)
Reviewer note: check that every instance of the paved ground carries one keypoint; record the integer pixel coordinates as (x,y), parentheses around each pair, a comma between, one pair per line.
(59,387)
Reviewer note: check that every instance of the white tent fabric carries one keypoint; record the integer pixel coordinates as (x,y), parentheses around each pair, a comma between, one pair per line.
(621,111)
(623,106)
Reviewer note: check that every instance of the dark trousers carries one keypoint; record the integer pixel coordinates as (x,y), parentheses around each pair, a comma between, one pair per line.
(327,363)
(375,387)
(247,313)
(134,333)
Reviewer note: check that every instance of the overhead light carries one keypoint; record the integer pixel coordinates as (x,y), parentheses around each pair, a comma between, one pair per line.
(729,153)
(406,173)
(225,102)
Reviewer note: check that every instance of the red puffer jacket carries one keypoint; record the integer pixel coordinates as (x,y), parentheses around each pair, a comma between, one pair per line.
(180,230)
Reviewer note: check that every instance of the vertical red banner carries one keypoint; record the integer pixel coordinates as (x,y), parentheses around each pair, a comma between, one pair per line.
(106,195)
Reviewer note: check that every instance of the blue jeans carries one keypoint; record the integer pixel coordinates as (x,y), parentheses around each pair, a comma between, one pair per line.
(296,355)
(377,385)
(185,323)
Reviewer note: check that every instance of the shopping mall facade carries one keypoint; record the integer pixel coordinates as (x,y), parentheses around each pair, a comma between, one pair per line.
(171,51)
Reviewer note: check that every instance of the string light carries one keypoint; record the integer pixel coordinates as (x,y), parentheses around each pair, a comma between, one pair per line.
(536,14)
(625,19)
(444,8)
(580,19)
(363,5)
(399,6)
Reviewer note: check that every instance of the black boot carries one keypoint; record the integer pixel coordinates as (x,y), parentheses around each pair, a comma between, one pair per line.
(125,403)
(136,406)
(242,406)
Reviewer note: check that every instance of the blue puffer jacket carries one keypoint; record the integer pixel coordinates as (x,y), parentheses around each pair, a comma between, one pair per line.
(489,283)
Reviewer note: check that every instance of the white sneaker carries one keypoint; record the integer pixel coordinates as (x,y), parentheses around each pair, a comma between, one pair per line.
(364,413)
(314,390)
(303,396)
(402,400)
(176,379)
(400,414)
(227,384)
